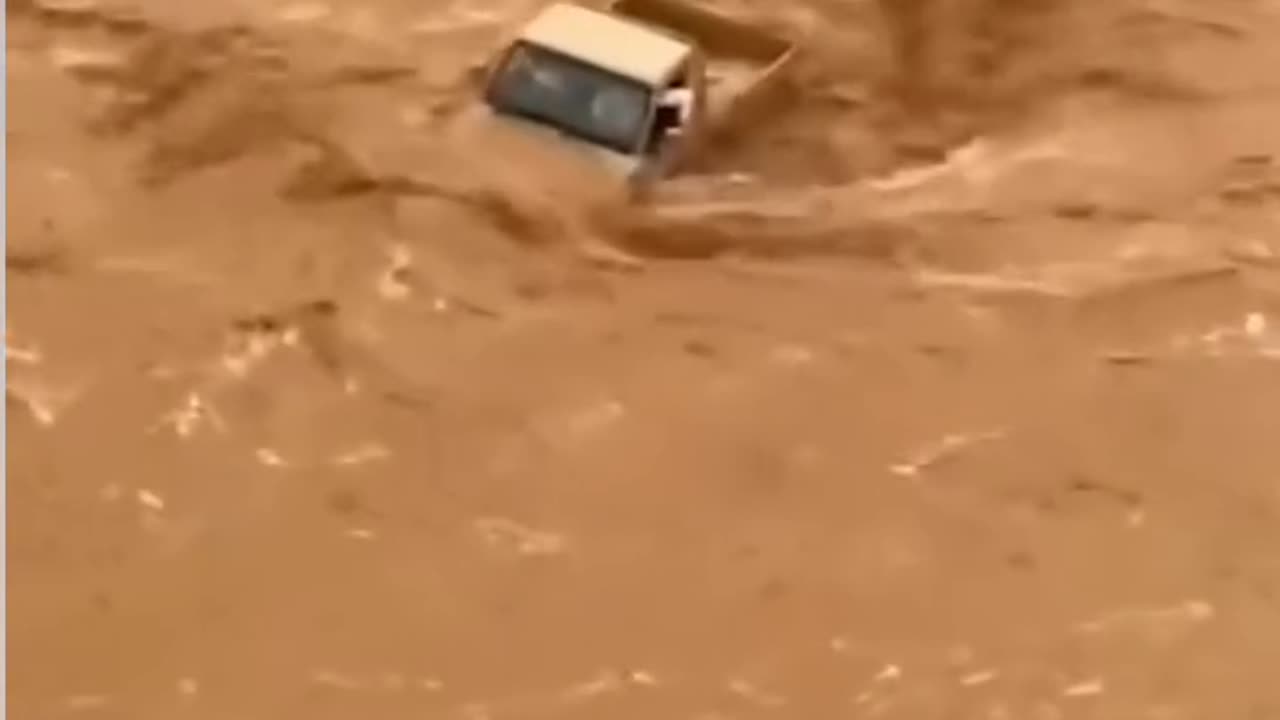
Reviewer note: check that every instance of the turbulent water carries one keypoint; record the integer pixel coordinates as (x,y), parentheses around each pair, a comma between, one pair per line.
(950,391)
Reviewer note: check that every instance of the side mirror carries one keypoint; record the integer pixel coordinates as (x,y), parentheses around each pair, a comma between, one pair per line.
(666,118)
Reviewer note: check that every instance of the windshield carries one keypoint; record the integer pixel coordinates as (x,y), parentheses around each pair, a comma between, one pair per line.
(576,98)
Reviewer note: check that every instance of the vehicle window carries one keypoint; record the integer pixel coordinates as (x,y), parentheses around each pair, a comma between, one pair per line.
(576,98)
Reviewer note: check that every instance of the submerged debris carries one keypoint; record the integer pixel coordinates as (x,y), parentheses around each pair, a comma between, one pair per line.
(978,678)
(25,356)
(86,702)
(270,458)
(581,422)
(188,687)
(1087,688)
(150,500)
(255,338)
(948,447)
(888,672)
(388,682)
(187,418)
(605,682)
(748,691)
(504,532)
(88,63)
(990,284)
(396,282)
(1192,611)
(44,402)
(364,454)
(304,12)
(1255,325)
(1250,336)
(332,679)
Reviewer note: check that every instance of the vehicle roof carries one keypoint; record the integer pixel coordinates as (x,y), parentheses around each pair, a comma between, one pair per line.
(607,41)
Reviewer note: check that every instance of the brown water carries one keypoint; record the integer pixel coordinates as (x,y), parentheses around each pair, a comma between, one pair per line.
(952,392)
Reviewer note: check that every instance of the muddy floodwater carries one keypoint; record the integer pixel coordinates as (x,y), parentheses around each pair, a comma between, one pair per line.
(951,390)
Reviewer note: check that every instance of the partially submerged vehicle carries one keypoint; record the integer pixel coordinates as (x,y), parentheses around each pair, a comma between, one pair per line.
(575,118)
(640,87)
